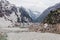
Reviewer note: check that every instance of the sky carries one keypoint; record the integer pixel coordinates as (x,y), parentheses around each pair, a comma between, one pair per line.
(35,5)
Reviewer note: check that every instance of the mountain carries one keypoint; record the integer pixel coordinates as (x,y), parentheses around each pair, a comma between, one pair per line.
(46,12)
(34,14)
(37,14)
(53,17)
(24,13)
(11,14)
(31,13)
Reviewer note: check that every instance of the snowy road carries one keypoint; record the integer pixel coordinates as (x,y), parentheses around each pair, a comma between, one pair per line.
(16,34)
(33,36)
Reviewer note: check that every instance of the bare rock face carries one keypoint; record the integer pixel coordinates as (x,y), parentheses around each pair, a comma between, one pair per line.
(13,14)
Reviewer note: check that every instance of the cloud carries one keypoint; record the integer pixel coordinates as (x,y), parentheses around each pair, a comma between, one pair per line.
(36,5)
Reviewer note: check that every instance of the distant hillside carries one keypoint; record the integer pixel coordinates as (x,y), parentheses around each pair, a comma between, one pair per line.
(53,17)
(46,12)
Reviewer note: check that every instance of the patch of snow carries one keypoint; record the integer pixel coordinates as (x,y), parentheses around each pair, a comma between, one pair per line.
(4,23)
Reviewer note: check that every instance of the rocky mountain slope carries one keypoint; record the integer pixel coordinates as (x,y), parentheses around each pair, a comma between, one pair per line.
(10,14)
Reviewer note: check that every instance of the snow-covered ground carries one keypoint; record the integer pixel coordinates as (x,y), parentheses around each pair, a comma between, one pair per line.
(23,34)
(13,30)
(33,36)
(4,23)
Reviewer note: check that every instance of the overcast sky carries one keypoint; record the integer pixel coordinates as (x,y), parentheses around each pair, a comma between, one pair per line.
(36,5)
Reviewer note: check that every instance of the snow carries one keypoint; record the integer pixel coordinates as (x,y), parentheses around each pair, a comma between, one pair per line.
(13,29)
(45,25)
(13,17)
(33,36)
(4,23)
